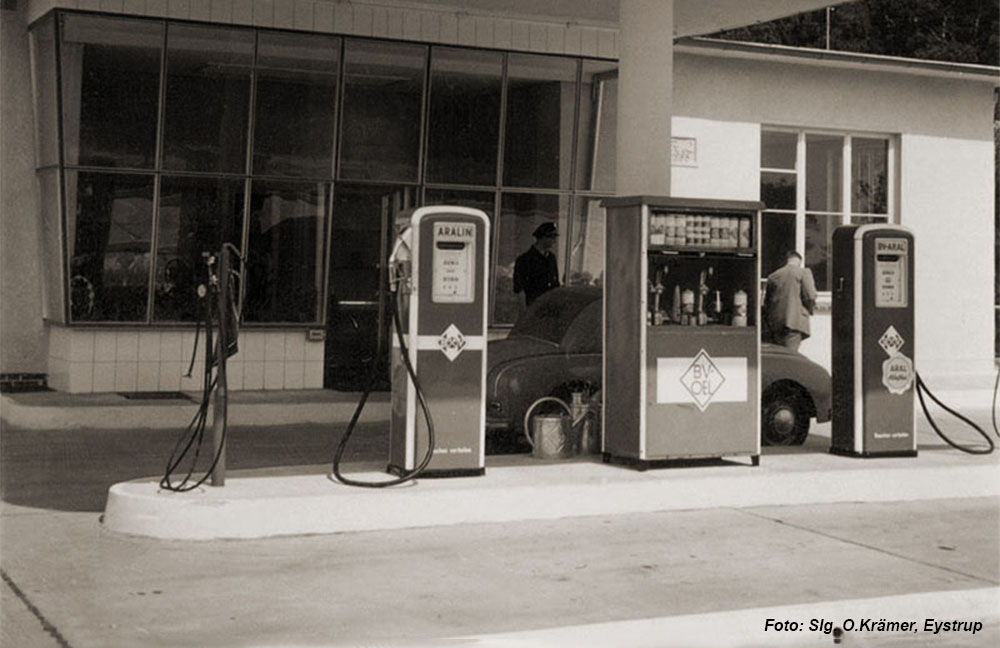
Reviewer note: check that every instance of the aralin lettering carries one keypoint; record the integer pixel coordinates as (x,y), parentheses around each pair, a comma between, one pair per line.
(450,229)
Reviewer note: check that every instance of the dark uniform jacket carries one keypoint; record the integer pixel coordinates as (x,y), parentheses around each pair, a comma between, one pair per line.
(535,273)
(791,296)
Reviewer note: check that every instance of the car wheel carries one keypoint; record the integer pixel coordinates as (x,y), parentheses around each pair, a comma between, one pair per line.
(784,417)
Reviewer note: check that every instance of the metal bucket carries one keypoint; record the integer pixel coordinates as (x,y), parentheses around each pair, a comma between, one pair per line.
(550,437)
(549,434)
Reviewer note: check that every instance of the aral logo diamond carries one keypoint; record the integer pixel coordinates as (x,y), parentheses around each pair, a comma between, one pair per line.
(452,342)
(891,341)
(702,379)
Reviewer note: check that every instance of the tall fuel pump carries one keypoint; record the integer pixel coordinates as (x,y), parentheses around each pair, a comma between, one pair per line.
(438,278)
(873,341)
(439,264)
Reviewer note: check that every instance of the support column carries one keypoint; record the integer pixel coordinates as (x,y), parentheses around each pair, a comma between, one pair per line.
(645,96)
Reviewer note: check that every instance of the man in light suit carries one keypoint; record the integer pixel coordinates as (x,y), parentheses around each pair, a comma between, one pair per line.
(791,297)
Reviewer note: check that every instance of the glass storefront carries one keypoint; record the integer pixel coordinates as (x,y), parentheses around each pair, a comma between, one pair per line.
(171,138)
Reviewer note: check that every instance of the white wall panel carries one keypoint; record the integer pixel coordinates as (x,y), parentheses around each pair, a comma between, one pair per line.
(728,160)
(947,200)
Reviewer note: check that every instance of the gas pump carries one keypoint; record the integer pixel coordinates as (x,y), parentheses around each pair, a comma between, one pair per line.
(440,263)
(439,281)
(873,341)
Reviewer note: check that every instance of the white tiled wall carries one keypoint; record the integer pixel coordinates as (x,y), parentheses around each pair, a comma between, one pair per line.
(83,361)
(404,20)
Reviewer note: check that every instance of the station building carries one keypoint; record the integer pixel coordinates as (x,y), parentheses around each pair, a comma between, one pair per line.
(138,134)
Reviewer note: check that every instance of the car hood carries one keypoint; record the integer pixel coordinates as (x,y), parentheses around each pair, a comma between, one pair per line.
(501,351)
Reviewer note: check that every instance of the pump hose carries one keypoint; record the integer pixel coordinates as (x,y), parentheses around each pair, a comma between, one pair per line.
(194,433)
(922,388)
(342,445)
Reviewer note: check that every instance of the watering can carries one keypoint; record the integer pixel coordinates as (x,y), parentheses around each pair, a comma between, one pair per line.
(550,435)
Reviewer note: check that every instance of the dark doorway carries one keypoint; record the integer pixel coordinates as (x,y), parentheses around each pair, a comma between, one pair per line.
(357,323)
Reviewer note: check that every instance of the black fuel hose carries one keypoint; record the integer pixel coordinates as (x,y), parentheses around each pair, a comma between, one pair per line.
(373,377)
(194,434)
(922,388)
(191,439)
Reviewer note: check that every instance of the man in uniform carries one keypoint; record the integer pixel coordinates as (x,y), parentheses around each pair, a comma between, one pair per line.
(791,297)
(535,271)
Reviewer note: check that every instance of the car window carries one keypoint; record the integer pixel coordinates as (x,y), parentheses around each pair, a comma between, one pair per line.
(551,315)
(584,334)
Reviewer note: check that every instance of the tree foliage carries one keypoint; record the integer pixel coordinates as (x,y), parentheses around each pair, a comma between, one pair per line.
(960,31)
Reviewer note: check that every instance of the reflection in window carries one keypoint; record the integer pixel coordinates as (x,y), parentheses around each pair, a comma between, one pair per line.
(383,93)
(778,150)
(363,221)
(207,98)
(110,233)
(43,67)
(196,216)
(294,113)
(538,139)
(285,251)
(586,253)
(824,172)
(464,116)
(111,80)
(869,170)
(777,238)
(597,146)
(819,247)
(777,189)
(520,214)
(481,200)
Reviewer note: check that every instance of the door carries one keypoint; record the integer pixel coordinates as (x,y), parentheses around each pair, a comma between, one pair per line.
(357,323)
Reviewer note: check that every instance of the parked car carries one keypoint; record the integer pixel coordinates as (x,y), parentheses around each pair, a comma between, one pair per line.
(556,347)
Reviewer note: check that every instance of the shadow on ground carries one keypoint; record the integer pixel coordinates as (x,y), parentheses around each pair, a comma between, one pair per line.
(71,470)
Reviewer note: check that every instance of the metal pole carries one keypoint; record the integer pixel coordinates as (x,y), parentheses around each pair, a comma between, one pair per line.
(221,392)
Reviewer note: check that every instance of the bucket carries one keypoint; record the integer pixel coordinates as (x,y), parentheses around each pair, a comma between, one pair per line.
(549,434)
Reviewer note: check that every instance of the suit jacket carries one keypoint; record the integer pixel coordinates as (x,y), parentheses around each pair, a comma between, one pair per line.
(791,297)
(535,273)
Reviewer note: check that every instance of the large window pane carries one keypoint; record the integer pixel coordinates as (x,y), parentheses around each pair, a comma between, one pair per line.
(819,247)
(777,150)
(383,94)
(777,190)
(285,251)
(363,221)
(824,173)
(110,230)
(596,142)
(196,216)
(520,214)
(43,66)
(481,200)
(207,98)
(777,238)
(111,82)
(869,171)
(464,116)
(586,252)
(538,140)
(296,100)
